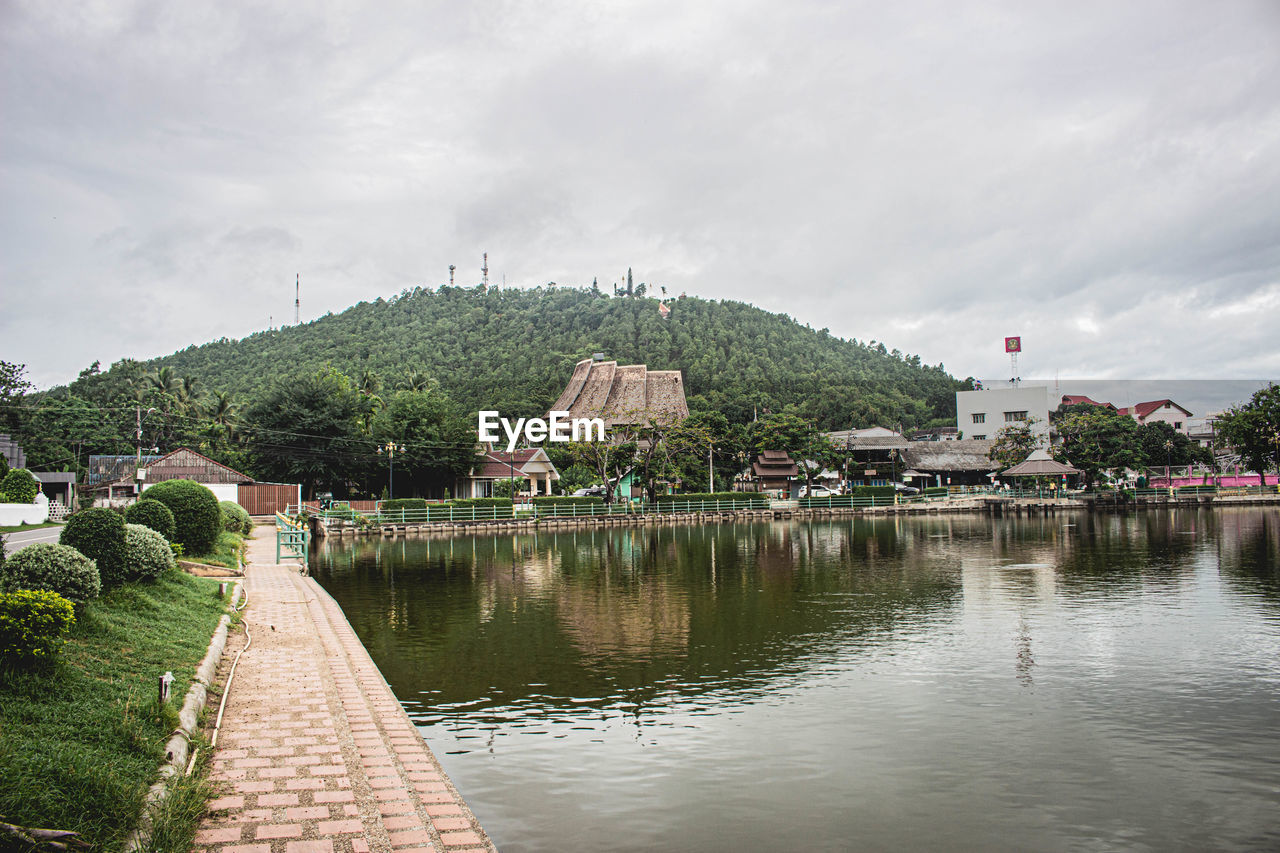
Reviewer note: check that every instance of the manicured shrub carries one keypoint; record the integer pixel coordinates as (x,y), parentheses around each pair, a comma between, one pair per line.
(153,514)
(19,486)
(235,518)
(397,504)
(197,518)
(872,491)
(98,533)
(147,553)
(748,498)
(504,502)
(56,568)
(563,500)
(33,626)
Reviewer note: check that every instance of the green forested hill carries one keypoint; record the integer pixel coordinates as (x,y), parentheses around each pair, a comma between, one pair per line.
(513,350)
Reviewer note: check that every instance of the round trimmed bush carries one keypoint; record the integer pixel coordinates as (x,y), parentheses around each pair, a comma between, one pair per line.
(197,518)
(235,518)
(33,626)
(19,486)
(153,514)
(98,533)
(57,568)
(147,554)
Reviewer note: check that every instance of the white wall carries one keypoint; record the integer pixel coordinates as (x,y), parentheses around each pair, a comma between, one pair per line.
(11,515)
(992,405)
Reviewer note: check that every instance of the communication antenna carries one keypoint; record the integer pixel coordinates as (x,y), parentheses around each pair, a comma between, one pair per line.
(451,269)
(485,269)
(297,299)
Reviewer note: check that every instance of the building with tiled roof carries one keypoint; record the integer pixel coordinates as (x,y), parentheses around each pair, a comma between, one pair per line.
(623,394)
(1157,411)
(1077,399)
(529,465)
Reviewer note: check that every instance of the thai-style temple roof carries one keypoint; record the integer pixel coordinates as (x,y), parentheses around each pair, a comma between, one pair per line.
(774,463)
(628,394)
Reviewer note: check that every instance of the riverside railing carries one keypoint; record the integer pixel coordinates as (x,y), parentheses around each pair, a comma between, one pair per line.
(292,538)
(449,514)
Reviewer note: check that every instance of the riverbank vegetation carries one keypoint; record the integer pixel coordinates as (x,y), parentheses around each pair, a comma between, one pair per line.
(82,741)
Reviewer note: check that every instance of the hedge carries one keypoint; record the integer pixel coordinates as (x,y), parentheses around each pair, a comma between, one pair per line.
(153,514)
(565,500)
(397,504)
(934,491)
(872,491)
(98,533)
(722,497)
(19,486)
(54,568)
(147,553)
(503,502)
(197,518)
(33,626)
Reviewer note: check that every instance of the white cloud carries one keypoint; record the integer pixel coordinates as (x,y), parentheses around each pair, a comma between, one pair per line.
(1104,183)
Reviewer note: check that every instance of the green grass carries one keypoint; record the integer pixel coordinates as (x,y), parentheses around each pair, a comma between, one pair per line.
(16,528)
(80,745)
(229,548)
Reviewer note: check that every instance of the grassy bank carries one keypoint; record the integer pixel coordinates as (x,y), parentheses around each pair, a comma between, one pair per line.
(228,552)
(79,746)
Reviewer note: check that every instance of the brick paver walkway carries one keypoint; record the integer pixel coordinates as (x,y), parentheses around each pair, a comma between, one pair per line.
(315,754)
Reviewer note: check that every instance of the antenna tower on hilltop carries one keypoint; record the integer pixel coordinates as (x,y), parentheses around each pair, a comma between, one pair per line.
(297,299)
(485,269)
(451,269)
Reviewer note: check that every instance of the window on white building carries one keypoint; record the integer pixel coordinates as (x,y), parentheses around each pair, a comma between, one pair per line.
(980,417)
(1010,417)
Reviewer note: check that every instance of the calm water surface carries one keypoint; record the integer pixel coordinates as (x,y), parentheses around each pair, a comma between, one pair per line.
(1081,682)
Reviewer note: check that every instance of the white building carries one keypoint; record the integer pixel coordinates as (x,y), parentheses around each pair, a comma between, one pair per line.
(982,414)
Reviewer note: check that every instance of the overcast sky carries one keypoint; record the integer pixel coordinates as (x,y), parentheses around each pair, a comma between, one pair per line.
(1102,179)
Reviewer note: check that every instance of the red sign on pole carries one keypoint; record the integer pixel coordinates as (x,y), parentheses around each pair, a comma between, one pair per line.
(1013,344)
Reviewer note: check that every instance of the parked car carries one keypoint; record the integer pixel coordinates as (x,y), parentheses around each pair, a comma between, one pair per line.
(904,489)
(589,492)
(818,492)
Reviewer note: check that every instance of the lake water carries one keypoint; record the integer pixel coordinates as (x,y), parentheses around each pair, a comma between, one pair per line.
(1076,682)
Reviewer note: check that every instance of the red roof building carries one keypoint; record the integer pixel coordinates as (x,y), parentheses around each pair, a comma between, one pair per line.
(530,466)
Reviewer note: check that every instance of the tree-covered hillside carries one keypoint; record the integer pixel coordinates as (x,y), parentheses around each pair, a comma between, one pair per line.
(513,350)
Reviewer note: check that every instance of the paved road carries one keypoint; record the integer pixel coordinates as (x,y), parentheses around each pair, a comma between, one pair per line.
(23,538)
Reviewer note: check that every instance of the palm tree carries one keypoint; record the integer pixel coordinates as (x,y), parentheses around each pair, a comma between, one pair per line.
(224,412)
(165,380)
(417,380)
(189,395)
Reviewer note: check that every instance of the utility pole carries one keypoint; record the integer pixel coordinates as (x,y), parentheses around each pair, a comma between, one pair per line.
(711,473)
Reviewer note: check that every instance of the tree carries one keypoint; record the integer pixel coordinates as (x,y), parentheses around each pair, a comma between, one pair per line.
(1163,445)
(1253,429)
(439,442)
(308,430)
(1099,441)
(12,388)
(1014,443)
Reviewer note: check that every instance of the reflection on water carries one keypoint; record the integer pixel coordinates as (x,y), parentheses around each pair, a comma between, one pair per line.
(1088,681)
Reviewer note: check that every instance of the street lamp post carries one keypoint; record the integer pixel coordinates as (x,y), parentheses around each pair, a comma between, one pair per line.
(1168,464)
(391,449)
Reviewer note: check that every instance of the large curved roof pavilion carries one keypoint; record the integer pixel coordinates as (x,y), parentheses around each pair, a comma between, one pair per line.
(623,394)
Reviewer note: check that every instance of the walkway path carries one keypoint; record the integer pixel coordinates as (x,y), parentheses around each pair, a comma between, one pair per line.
(315,754)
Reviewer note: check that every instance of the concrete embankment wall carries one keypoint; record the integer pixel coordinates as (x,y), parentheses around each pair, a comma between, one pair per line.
(988,504)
